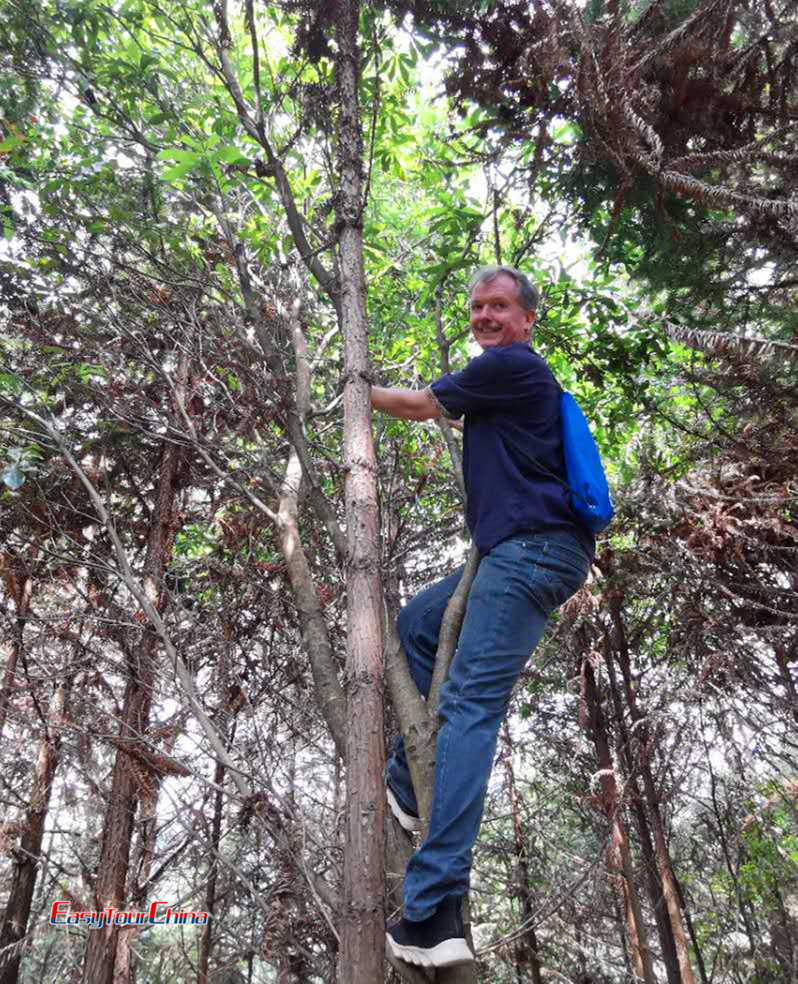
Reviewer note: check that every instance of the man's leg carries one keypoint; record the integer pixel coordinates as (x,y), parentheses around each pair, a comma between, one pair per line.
(518,584)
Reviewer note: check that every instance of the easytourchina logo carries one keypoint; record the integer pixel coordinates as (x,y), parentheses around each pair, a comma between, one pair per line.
(156,915)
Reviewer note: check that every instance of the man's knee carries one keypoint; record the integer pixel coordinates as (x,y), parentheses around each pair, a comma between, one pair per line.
(479,706)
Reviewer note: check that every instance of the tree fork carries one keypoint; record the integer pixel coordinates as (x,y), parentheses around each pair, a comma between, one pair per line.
(419,724)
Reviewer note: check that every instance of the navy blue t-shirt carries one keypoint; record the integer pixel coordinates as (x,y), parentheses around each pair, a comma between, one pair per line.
(511,403)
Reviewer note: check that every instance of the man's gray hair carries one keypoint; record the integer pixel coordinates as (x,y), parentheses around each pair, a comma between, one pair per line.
(528,294)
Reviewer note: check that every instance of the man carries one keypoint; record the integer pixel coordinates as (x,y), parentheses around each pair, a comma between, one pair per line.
(534,555)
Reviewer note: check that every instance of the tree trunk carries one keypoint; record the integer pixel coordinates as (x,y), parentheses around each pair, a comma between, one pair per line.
(526,947)
(130,778)
(138,876)
(206,936)
(26,858)
(670,889)
(363,917)
(618,855)
(653,884)
(210,889)
(19,585)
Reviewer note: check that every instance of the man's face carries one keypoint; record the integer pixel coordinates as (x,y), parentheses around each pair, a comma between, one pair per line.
(497,318)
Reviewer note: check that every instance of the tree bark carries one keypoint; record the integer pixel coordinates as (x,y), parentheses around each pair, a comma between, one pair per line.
(139,874)
(130,779)
(210,889)
(26,857)
(526,947)
(618,855)
(653,884)
(670,888)
(361,958)
(19,585)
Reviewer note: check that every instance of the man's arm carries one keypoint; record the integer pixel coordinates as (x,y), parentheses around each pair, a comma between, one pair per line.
(405,403)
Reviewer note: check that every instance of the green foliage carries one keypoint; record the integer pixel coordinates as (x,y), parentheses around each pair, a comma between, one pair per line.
(133,197)
(770,851)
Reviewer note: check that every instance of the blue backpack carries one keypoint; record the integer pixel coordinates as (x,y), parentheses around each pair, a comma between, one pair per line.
(590,494)
(586,481)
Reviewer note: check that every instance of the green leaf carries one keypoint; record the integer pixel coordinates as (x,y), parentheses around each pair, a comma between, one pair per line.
(10,382)
(175,154)
(186,160)
(10,143)
(230,155)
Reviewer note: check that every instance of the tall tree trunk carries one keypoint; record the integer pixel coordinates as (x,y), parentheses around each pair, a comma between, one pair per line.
(292,964)
(130,778)
(363,916)
(670,889)
(206,938)
(19,585)
(140,870)
(669,886)
(228,726)
(23,879)
(526,946)
(653,884)
(618,855)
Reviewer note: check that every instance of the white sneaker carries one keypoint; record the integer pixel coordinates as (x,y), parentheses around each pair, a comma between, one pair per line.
(407,821)
(438,941)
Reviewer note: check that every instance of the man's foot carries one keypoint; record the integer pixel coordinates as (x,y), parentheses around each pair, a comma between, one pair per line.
(438,941)
(407,820)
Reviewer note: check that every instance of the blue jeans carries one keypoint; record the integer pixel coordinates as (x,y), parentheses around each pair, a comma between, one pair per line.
(518,585)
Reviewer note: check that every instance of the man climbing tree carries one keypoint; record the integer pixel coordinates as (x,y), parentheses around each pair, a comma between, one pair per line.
(534,556)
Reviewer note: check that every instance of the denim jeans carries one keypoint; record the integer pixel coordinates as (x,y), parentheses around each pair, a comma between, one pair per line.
(518,585)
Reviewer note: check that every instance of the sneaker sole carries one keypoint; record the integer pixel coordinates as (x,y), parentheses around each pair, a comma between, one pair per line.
(449,953)
(405,821)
